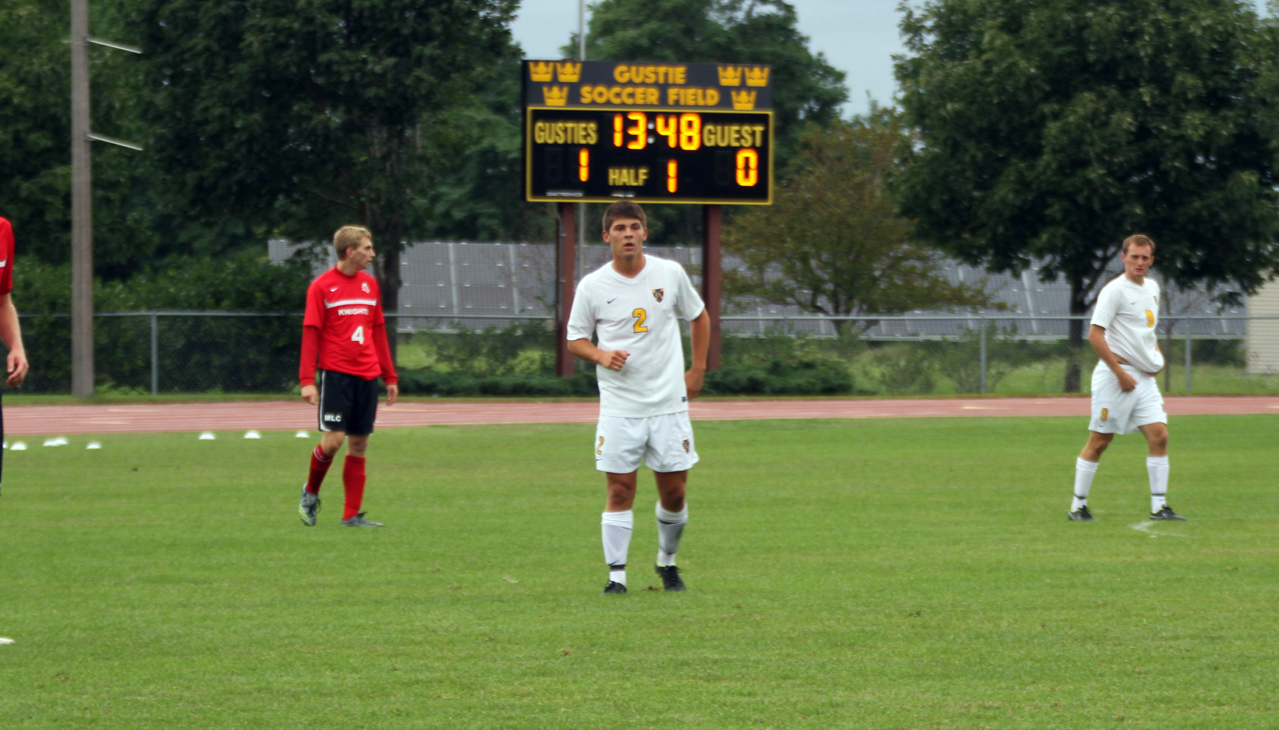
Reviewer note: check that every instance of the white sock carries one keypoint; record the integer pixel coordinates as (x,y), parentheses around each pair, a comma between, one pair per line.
(1157,468)
(615,528)
(1084,472)
(670,528)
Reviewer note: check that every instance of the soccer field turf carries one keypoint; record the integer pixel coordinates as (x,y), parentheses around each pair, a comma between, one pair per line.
(842,574)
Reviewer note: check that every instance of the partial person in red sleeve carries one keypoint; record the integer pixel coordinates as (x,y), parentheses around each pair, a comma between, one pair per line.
(10,331)
(344,336)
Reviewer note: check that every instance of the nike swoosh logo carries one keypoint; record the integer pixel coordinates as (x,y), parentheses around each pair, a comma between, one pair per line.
(334,288)
(611,300)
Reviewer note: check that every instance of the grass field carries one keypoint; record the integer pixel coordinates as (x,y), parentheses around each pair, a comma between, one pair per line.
(842,574)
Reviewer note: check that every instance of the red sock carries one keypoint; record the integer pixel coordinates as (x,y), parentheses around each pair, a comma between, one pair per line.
(319,467)
(353,481)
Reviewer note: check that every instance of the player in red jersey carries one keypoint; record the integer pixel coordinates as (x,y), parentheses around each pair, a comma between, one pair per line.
(10,331)
(344,333)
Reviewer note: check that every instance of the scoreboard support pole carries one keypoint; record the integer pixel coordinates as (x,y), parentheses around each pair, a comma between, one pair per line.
(565,255)
(712,217)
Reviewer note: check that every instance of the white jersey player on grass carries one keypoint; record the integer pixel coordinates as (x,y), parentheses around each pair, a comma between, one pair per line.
(1125,391)
(633,305)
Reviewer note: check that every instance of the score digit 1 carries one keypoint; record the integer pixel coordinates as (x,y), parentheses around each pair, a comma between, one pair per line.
(672,176)
(583,164)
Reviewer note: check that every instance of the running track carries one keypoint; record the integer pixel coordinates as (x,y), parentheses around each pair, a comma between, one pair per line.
(296,415)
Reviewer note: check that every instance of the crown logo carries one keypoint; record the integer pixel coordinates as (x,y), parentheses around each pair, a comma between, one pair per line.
(555,95)
(730,76)
(744,100)
(569,72)
(541,71)
(757,76)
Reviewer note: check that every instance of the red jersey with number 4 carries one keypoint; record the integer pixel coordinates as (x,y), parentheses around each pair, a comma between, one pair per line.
(6,257)
(347,310)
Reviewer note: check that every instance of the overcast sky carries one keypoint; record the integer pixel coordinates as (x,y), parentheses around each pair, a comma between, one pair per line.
(858,37)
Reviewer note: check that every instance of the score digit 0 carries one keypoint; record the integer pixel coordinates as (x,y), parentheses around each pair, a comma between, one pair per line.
(747,167)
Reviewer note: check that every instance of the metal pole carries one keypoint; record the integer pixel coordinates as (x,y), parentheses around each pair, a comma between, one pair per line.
(712,218)
(81,208)
(155,356)
(983,355)
(581,56)
(564,364)
(1187,358)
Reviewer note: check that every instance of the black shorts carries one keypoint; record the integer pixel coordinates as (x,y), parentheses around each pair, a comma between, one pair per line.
(347,403)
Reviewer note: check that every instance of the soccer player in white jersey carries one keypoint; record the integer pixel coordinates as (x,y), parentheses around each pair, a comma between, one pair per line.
(1125,392)
(632,305)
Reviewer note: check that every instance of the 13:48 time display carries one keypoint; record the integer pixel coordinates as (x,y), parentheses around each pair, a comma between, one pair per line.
(648,156)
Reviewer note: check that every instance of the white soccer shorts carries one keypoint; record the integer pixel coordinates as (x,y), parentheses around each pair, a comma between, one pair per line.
(1114,411)
(664,443)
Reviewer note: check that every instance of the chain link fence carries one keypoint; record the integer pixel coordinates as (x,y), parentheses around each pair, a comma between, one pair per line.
(257,352)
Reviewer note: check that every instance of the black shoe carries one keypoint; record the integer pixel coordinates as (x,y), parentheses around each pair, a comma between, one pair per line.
(359,521)
(1167,514)
(670,577)
(1082,515)
(614,587)
(309,507)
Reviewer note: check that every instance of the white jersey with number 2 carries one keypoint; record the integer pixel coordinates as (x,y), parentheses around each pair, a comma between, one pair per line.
(641,316)
(1130,314)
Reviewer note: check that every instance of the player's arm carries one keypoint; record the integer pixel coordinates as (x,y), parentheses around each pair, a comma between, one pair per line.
(306,368)
(383,348)
(611,359)
(699,336)
(11,332)
(1097,338)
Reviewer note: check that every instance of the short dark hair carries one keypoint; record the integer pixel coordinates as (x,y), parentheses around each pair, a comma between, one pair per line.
(1139,239)
(624,209)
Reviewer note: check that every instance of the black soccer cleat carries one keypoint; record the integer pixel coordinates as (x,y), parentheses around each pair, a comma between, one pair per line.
(614,587)
(1082,515)
(1166,514)
(359,521)
(670,577)
(309,508)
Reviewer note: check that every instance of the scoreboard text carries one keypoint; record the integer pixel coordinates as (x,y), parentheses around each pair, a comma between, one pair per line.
(654,133)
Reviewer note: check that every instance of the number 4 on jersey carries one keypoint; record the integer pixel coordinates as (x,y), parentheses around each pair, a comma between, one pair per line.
(358,335)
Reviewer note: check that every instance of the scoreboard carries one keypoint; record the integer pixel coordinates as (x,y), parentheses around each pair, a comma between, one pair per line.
(601,131)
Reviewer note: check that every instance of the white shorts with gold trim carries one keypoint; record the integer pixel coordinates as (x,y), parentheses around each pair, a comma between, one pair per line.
(664,443)
(1114,411)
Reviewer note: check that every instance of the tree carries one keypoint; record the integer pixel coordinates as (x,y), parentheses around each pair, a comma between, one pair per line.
(305,118)
(831,244)
(35,133)
(1051,130)
(806,89)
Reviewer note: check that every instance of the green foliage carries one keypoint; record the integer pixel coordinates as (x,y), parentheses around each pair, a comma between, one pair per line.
(1049,131)
(241,354)
(832,244)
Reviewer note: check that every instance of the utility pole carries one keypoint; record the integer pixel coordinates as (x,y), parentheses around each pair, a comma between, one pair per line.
(81,207)
(82,199)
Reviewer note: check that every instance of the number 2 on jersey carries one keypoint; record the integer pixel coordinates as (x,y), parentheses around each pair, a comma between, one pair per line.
(358,335)
(640,315)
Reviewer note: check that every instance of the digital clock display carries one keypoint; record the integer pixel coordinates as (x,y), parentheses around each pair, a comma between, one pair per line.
(654,133)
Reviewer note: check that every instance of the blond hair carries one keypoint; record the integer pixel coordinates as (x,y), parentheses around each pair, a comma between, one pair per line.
(349,237)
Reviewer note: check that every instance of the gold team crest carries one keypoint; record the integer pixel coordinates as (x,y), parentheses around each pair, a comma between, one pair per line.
(658,294)
(685,446)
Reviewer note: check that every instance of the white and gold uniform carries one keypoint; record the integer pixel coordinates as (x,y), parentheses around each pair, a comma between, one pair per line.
(1130,315)
(643,406)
